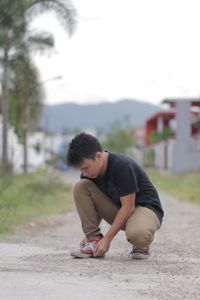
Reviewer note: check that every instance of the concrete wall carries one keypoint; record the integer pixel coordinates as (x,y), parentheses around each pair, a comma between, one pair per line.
(15,152)
(185,157)
(159,154)
(163,154)
(182,154)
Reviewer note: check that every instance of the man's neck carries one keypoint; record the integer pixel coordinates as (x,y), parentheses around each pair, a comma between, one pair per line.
(105,162)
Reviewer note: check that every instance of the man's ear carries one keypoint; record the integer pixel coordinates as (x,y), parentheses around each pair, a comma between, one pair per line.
(98,155)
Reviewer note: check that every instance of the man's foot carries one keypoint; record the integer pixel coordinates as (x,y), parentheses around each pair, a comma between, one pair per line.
(138,253)
(90,245)
(87,248)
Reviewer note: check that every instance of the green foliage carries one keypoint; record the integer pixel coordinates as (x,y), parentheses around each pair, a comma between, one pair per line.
(16,42)
(118,139)
(54,158)
(184,187)
(25,96)
(149,157)
(68,130)
(156,137)
(64,10)
(5,183)
(31,196)
(14,15)
(38,147)
(12,22)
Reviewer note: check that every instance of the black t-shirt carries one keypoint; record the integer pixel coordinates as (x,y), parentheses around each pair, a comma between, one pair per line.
(124,176)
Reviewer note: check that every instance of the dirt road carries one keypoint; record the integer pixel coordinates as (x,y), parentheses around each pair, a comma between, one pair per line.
(36,265)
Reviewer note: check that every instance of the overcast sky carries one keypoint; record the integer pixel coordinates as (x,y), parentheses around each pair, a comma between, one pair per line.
(141,49)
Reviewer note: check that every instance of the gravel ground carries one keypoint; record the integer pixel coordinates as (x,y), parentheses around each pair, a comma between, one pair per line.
(35,263)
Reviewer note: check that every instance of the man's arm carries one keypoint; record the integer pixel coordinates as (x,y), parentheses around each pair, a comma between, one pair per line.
(127,208)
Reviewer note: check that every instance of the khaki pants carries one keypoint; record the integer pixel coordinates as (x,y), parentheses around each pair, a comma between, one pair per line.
(93,206)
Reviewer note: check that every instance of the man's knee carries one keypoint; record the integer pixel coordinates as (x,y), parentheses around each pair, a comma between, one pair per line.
(139,237)
(82,186)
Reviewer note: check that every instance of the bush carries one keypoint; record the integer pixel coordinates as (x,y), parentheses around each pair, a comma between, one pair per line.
(30,196)
(156,137)
(149,158)
(118,139)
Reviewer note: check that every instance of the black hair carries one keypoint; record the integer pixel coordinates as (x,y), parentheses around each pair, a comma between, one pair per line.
(82,146)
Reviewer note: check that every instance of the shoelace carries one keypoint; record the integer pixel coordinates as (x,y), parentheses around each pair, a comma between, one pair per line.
(92,244)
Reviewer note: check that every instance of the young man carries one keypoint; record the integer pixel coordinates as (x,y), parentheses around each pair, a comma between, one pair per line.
(113,187)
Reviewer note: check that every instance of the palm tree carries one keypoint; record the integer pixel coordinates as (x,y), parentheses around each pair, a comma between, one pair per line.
(25,100)
(15,17)
(26,90)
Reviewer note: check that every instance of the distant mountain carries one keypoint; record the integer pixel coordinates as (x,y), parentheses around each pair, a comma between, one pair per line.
(58,117)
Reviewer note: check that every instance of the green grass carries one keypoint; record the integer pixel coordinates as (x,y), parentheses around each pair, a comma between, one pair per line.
(184,187)
(26,196)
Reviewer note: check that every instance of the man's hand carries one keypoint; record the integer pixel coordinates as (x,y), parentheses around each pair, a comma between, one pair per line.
(102,247)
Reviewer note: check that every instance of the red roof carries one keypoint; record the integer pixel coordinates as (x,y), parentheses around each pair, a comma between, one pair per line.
(166,115)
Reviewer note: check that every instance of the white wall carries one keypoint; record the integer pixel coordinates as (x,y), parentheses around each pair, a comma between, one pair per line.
(15,151)
(185,157)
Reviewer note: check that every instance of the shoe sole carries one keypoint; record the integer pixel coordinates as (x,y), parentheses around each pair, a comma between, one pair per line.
(79,254)
(139,256)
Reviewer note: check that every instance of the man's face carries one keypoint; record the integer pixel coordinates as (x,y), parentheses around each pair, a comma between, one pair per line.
(92,168)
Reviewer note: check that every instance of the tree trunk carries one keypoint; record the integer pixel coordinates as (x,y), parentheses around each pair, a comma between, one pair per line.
(4,110)
(25,165)
(25,143)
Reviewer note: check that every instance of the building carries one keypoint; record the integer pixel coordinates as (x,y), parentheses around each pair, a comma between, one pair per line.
(15,151)
(182,152)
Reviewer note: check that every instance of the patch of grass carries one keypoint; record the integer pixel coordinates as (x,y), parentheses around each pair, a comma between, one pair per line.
(185,186)
(26,196)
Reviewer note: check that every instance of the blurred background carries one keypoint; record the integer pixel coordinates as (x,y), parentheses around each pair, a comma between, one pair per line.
(126,71)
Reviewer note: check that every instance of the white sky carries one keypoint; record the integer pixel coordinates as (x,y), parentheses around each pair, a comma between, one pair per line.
(141,49)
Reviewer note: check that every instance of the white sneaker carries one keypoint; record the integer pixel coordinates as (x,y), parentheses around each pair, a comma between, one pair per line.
(138,253)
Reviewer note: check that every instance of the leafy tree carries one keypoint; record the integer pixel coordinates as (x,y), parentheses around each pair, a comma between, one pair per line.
(15,17)
(69,130)
(119,138)
(25,96)
(25,100)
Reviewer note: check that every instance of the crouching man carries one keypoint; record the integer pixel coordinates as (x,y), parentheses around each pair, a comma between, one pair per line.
(115,188)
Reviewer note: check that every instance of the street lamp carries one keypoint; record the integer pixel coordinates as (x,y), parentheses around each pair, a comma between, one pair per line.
(46,119)
(51,79)
(58,77)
